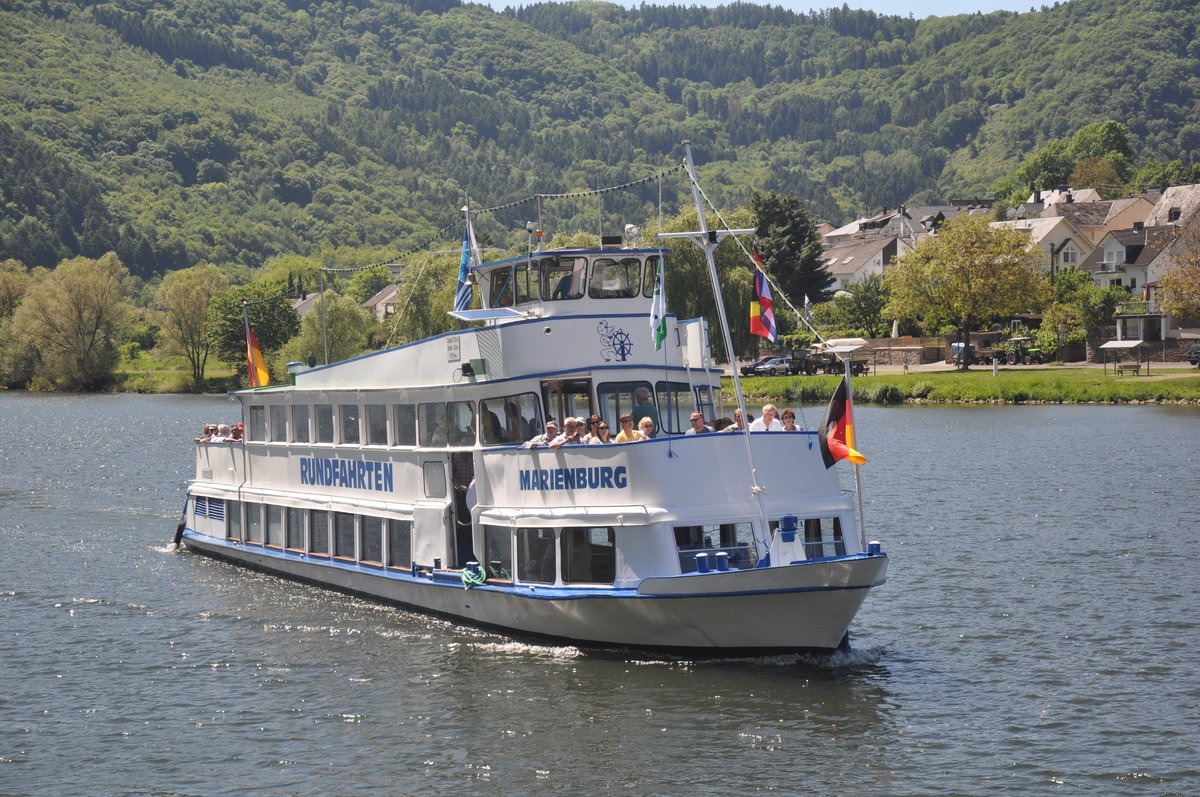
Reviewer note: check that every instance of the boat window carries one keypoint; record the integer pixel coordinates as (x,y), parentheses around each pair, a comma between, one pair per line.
(372,540)
(399,535)
(509,420)
(435,479)
(734,539)
(536,556)
(294,539)
(343,535)
(501,287)
(823,537)
(589,556)
(675,405)
(278,423)
(318,532)
(300,414)
(273,525)
(324,423)
(349,415)
(258,424)
(615,279)
(525,277)
(254,523)
(497,547)
(404,422)
(567,397)
(651,275)
(233,521)
(451,423)
(377,425)
(563,277)
(618,398)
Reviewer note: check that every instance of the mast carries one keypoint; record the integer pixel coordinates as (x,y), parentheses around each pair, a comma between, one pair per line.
(708,240)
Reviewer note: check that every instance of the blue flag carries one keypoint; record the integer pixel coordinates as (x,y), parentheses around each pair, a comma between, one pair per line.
(462,298)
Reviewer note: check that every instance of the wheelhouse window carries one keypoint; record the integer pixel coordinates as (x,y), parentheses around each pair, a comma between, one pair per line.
(823,537)
(404,421)
(300,415)
(525,281)
(501,287)
(377,433)
(324,423)
(589,556)
(399,536)
(372,540)
(615,279)
(294,534)
(258,423)
(318,532)
(536,556)
(343,535)
(279,423)
(497,556)
(733,539)
(650,275)
(563,277)
(675,405)
(350,421)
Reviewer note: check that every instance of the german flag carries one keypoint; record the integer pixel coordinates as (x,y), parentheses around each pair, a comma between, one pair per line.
(259,376)
(837,429)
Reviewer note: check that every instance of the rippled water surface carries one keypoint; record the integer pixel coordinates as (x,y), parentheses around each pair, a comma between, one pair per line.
(1037,635)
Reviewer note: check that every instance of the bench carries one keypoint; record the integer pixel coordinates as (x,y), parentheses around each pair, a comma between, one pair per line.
(1131,368)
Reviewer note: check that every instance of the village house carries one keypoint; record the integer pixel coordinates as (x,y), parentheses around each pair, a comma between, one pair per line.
(1058,242)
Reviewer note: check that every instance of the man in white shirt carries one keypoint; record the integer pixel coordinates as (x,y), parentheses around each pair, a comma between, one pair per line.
(769,422)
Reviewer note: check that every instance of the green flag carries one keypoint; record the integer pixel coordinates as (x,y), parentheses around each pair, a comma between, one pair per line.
(658,309)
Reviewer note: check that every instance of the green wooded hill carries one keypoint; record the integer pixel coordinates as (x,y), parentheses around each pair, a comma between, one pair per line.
(229,131)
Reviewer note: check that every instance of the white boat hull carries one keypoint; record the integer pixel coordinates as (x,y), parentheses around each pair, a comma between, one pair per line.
(802,607)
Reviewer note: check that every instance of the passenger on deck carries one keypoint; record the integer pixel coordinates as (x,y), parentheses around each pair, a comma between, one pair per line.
(221,435)
(721,424)
(644,408)
(572,436)
(603,434)
(590,432)
(789,422)
(236,433)
(768,422)
(646,427)
(739,423)
(628,434)
(698,425)
(209,430)
(546,437)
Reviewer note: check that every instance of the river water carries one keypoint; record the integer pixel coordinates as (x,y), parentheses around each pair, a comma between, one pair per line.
(1037,635)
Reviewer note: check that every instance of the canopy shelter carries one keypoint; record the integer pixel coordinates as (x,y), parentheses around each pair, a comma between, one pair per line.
(1117,350)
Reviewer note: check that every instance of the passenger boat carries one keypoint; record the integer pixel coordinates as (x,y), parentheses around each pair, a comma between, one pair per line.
(404,476)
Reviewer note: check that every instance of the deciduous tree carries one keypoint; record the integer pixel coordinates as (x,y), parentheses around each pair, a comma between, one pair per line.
(184,299)
(967,274)
(271,317)
(72,316)
(1179,287)
(348,330)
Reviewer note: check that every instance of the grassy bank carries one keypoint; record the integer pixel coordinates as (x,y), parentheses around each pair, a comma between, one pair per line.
(1051,386)
(146,374)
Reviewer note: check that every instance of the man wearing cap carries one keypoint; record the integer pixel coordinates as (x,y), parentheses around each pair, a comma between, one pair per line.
(546,437)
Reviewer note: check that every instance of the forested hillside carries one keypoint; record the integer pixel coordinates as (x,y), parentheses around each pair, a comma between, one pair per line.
(229,131)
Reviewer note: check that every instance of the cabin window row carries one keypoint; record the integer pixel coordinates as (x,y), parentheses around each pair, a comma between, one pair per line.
(505,420)
(822,539)
(551,556)
(318,532)
(559,277)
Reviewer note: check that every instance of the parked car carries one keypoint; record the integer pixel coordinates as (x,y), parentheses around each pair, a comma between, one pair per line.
(748,368)
(774,367)
(1193,355)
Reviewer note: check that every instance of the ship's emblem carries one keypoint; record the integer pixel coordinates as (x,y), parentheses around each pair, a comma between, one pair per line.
(615,342)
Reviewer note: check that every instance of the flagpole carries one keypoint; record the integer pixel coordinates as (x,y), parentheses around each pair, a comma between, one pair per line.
(862,533)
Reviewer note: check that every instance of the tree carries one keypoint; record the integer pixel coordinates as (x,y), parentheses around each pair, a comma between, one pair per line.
(17,361)
(14,281)
(865,303)
(184,298)
(271,317)
(71,316)
(348,330)
(367,282)
(1048,167)
(1078,310)
(1179,287)
(969,273)
(790,246)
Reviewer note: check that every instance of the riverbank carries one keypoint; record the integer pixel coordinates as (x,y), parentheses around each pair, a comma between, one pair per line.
(1167,383)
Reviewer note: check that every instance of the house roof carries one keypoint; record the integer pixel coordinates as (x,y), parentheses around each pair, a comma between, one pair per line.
(1037,228)
(1182,198)
(1090,214)
(386,294)
(847,256)
(1141,246)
